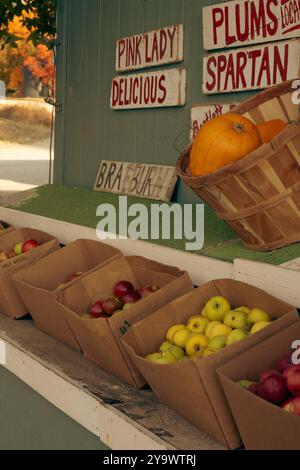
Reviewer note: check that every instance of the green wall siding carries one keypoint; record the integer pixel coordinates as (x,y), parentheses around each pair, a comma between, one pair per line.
(88,130)
(29,422)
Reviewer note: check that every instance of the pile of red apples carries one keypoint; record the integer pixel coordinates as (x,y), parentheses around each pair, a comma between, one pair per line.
(279,386)
(19,249)
(124,296)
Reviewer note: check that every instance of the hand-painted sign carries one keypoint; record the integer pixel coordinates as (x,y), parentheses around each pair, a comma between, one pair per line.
(251,69)
(202,113)
(244,22)
(149,90)
(137,179)
(164,46)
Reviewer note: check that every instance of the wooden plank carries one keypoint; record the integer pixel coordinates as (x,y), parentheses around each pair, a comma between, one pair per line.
(160,47)
(123,418)
(137,179)
(240,22)
(156,89)
(251,69)
(201,268)
(277,280)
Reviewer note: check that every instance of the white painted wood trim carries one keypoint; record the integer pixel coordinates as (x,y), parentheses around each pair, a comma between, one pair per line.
(279,281)
(102,420)
(201,268)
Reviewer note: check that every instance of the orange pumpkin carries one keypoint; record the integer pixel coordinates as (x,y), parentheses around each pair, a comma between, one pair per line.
(268,130)
(221,141)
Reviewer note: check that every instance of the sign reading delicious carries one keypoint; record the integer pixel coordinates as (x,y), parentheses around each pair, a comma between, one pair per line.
(246,22)
(149,90)
(164,46)
(251,69)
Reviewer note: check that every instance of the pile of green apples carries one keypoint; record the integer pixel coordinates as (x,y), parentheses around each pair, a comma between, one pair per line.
(219,325)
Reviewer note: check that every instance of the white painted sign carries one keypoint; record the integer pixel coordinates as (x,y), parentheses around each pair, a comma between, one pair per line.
(251,69)
(243,22)
(149,90)
(202,113)
(137,179)
(164,46)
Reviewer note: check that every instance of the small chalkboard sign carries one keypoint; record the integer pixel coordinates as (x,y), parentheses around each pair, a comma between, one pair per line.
(137,179)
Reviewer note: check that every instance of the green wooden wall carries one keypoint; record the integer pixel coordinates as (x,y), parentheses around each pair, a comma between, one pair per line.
(87,131)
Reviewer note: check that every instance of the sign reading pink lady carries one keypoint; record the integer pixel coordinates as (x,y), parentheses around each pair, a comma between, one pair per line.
(164,46)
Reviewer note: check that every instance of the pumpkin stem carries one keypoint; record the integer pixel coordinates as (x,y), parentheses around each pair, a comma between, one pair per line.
(238,127)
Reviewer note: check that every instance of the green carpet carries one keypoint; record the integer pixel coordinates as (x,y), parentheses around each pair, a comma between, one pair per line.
(78,206)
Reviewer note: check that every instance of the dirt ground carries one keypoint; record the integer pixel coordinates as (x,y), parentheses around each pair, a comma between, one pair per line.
(23,167)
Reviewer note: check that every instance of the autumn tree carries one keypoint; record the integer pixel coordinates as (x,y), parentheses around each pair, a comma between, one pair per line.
(27,38)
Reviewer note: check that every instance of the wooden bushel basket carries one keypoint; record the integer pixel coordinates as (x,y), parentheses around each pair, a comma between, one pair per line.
(259,196)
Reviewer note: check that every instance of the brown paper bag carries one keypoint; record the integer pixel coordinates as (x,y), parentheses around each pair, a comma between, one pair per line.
(39,284)
(11,303)
(262,426)
(193,388)
(101,339)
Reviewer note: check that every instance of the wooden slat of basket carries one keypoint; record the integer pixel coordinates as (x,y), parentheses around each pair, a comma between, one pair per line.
(273,109)
(291,109)
(292,148)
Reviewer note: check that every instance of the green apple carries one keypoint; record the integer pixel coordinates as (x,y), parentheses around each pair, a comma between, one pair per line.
(166,358)
(256,316)
(153,357)
(171,332)
(246,310)
(180,338)
(218,342)
(210,326)
(235,319)
(216,308)
(245,383)
(127,306)
(177,352)
(18,248)
(209,352)
(197,324)
(166,346)
(184,359)
(220,330)
(259,326)
(236,336)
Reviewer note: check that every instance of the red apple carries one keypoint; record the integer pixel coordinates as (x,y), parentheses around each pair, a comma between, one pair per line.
(284,363)
(290,370)
(29,245)
(148,290)
(96,310)
(292,406)
(293,382)
(131,297)
(253,388)
(111,305)
(73,276)
(273,389)
(122,288)
(264,375)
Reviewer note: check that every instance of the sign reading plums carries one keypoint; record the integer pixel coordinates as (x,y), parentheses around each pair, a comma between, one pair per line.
(202,113)
(137,179)
(164,46)
(243,22)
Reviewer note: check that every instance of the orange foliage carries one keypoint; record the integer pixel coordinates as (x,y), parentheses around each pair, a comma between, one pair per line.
(38,60)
